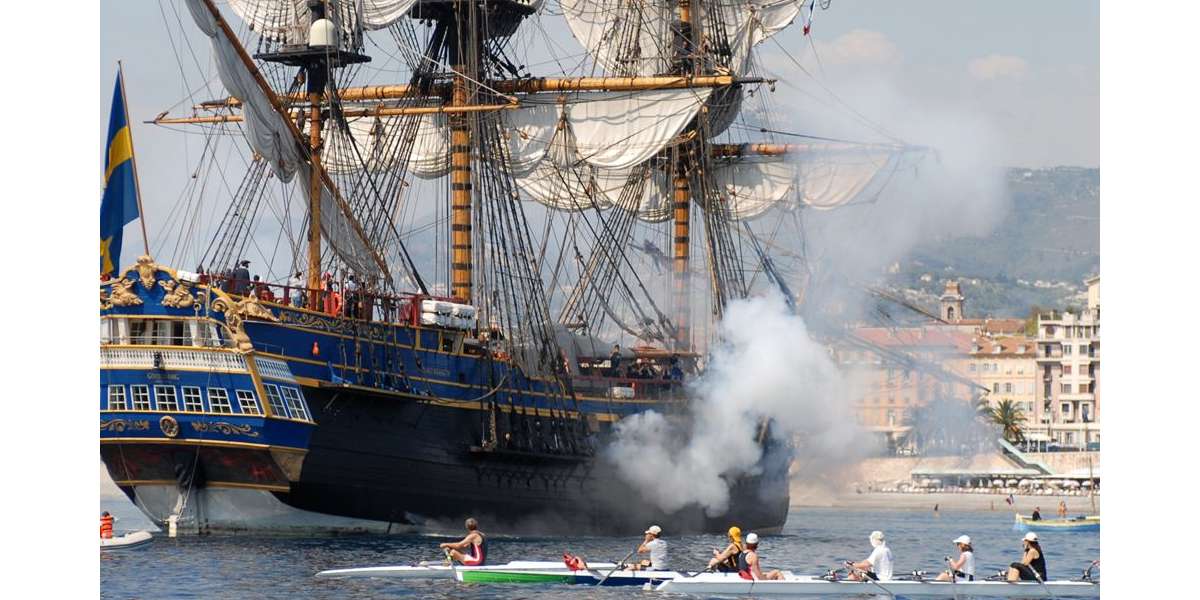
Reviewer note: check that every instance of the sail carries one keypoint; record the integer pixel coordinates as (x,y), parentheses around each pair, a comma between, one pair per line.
(634,37)
(269,135)
(831,179)
(375,141)
(288,20)
(751,186)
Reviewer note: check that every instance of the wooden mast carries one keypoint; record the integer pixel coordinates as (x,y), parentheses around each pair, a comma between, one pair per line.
(461,275)
(314,194)
(681,263)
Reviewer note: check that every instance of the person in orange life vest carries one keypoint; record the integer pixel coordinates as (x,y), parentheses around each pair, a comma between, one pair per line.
(474,544)
(106,525)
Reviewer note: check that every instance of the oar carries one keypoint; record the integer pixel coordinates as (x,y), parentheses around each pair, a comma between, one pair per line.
(1043,583)
(865,577)
(618,565)
(953,584)
(450,561)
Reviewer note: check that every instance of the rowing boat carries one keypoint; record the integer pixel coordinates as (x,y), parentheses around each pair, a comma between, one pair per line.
(591,576)
(1080,523)
(129,540)
(793,585)
(446,572)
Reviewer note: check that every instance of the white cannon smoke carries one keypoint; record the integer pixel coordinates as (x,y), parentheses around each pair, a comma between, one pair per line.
(766,367)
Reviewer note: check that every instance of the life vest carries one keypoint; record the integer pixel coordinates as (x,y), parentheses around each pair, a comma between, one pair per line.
(106,527)
(574,563)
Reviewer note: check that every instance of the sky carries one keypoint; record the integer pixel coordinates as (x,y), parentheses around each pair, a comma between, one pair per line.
(1026,71)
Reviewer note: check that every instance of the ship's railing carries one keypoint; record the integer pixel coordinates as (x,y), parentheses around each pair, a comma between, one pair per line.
(273,368)
(334,300)
(136,358)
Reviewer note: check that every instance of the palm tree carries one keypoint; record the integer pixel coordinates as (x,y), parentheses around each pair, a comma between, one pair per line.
(1010,418)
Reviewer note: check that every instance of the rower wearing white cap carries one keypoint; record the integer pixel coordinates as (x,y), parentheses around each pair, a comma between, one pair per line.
(1033,563)
(964,566)
(657,549)
(749,565)
(876,566)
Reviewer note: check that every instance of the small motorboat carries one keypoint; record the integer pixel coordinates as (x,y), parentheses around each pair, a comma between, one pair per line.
(443,571)
(794,585)
(1080,523)
(132,539)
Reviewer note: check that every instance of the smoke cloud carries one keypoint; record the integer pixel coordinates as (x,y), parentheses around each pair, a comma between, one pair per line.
(766,366)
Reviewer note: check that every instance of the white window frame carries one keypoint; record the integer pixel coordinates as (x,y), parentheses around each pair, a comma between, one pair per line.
(121,401)
(198,405)
(275,401)
(133,394)
(172,404)
(219,403)
(247,402)
(296,403)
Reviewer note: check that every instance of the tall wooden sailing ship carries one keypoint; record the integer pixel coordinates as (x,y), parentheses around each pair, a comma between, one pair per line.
(380,392)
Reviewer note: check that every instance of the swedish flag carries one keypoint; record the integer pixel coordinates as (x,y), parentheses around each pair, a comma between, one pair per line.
(120,203)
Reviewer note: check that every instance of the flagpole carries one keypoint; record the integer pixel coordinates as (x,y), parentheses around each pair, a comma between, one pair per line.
(137,186)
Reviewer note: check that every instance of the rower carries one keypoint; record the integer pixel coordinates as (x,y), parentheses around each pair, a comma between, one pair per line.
(749,565)
(1037,514)
(657,549)
(1033,562)
(475,542)
(878,565)
(106,525)
(963,568)
(726,561)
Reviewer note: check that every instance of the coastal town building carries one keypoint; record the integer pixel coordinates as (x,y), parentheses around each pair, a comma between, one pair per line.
(1068,361)
(896,369)
(1007,368)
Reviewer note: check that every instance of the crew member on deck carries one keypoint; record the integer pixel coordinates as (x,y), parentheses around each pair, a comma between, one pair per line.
(749,565)
(1033,562)
(106,525)
(726,561)
(876,566)
(657,549)
(474,544)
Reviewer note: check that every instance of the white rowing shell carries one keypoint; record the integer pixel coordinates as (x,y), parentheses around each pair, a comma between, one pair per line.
(445,572)
(732,584)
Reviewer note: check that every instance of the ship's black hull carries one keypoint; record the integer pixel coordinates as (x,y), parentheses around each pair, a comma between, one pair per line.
(419,463)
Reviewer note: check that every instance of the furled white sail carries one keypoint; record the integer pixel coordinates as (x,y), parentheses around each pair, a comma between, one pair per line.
(635,37)
(624,37)
(288,20)
(616,130)
(831,179)
(751,186)
(270,136)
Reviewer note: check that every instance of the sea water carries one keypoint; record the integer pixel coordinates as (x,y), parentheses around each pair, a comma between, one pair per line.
(812,541)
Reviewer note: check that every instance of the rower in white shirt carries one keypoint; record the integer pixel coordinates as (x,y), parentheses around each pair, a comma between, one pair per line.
(878,565)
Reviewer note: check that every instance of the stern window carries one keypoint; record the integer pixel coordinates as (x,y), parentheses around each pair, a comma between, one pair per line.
(164,398)
(296,403)
(141,397)
(248,403)
(191,399)
(116,397)
(278,408)
(218,401)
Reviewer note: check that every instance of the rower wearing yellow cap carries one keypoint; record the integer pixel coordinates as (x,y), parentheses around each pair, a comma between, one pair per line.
(726,561)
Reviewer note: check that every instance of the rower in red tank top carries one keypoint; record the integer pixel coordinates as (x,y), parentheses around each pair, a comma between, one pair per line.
(471,551)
